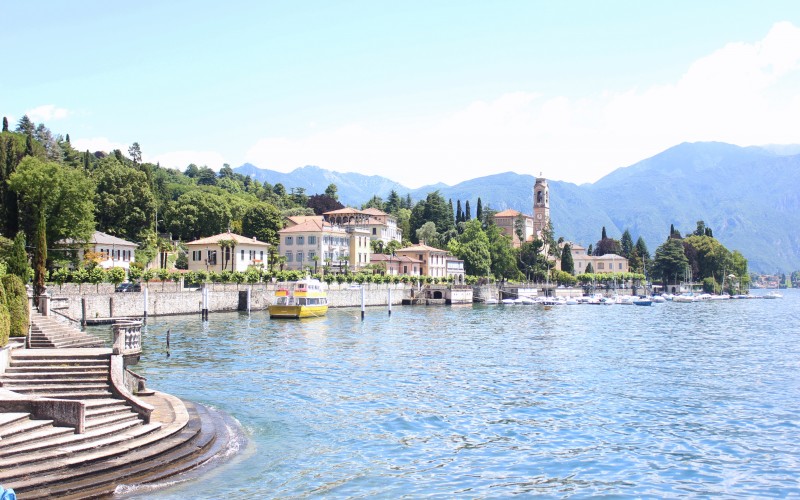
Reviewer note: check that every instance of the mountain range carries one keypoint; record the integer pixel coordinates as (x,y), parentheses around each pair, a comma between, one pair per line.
(748,196)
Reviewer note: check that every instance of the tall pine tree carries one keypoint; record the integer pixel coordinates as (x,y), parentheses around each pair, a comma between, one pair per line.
(479,211)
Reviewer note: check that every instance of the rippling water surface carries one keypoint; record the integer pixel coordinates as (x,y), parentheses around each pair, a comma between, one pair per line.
(491,401)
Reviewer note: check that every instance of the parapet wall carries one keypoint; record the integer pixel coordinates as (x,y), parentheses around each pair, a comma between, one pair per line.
(227,297)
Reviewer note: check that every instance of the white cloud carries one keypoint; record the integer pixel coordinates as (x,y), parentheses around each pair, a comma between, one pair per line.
(182,159)
(737,94)
(47,113)
(93,144)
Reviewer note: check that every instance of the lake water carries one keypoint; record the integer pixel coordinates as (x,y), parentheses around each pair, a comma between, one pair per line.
(673,400)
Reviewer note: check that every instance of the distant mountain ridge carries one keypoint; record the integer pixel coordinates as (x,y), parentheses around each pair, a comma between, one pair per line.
(748,196)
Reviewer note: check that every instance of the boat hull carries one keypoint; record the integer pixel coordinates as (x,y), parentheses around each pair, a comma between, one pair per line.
(277,311)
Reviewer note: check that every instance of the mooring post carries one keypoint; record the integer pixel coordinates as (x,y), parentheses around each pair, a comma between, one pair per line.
(249,293)
(83,311)
(390,299)
(145,294)
(362,303)
(204,311)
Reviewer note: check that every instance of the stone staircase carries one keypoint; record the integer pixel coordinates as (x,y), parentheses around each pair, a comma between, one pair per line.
(40,458)
(48,333)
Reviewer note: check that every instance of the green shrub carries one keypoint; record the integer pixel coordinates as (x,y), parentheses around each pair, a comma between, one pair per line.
(17,305)
(5,318)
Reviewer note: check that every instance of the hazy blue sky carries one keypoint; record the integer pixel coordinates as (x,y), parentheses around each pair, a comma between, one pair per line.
(420,92)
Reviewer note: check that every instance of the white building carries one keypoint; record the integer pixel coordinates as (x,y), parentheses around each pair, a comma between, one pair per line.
(226,252)
(112,251)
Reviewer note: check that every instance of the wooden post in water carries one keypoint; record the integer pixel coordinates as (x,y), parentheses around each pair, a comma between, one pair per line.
(390,299)
(249,293)
(362,303)
(83,311)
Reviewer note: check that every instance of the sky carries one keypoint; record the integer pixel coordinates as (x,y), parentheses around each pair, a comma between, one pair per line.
(417,91)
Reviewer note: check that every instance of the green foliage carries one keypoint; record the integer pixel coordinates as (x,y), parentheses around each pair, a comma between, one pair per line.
(17,304)
(472,246)
(670,261)
(124,203)
(59,201)
(567,263)
(262,221)
(18,259)
(115,275)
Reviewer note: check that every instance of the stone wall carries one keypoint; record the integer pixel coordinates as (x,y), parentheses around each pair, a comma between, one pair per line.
(227,297)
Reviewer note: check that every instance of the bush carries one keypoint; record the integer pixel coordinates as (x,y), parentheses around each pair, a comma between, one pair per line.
(5,318)
(17,305)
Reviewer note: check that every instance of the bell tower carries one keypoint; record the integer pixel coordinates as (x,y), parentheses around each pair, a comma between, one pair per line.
(541,204)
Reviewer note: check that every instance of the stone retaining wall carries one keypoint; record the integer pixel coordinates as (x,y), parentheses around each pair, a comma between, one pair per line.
(227,297)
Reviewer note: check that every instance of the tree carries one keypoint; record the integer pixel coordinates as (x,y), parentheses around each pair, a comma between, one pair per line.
(479,211)
(18,260)
(124,203)
(393,202)
(262,221)
(198,213)
(459,214)
(331,192)
(626,244)
(604,236)
(136,153)
(567,264)
(59,200)
(472,246)
(467,211)
(428,235)
(17,303)
(502,254)
(670,261)
(322,203)
(519,228)
(533,261)
(589,268)
(26,126)
(5,124)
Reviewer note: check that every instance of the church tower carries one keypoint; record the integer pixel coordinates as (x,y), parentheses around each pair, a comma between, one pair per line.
(541,204)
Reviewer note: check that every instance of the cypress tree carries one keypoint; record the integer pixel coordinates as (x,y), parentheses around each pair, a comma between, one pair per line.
(567,264)
(467,212)
(604,233)
(452,213)
(5,124)
(479,211)
(459,215)
(67,139)
(29,145)
(18,260)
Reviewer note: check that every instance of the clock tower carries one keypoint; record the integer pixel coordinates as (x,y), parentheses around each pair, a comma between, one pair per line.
(541,204)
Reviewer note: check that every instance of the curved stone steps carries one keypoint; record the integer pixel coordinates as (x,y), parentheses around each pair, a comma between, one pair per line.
(194,446)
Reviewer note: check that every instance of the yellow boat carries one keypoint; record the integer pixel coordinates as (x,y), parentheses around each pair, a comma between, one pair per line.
(306,300)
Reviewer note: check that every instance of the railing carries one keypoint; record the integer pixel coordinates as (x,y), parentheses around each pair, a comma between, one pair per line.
(127,337)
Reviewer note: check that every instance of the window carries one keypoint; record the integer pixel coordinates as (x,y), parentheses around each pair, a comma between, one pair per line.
(262,256)
(599,265)
(311,255)
(212,257)
(242,255)
(374,231)
(405,269)
(301,240)
(289,240)
(288,256)
(312,240)
(299,256)
(620,265)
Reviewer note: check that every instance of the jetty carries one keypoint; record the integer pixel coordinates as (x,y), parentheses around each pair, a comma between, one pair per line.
(75,422)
